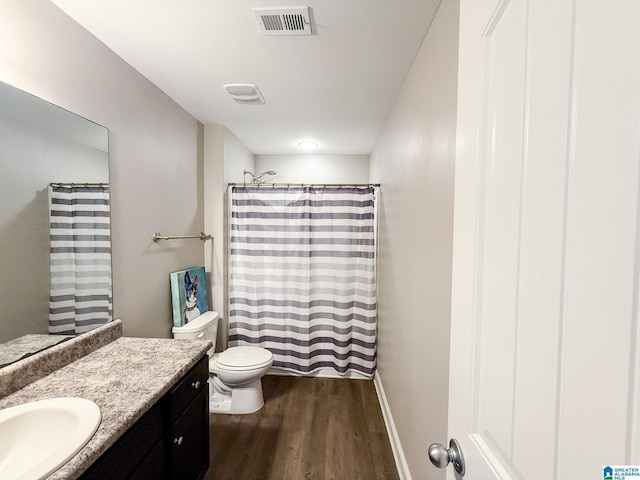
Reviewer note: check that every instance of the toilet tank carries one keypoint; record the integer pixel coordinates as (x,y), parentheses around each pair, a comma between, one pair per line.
(204,327)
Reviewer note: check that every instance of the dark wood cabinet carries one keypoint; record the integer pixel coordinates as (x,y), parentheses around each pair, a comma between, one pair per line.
(170,441)
(189,403)
(153,465)
(190,441)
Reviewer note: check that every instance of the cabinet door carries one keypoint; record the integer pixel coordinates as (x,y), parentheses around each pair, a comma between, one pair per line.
(123,457)
(153,466)
(190,440)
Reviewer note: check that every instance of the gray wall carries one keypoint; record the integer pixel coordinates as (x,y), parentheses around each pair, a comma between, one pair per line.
(155,150)
(225,158)
(413,159)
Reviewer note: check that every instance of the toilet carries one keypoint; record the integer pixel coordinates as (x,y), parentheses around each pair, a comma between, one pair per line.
(235,375)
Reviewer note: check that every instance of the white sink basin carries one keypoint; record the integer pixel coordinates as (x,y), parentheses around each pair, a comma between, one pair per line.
(37,438)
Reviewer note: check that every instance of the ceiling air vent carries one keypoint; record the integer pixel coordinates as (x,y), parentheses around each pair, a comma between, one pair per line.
(244,93)
(283,21)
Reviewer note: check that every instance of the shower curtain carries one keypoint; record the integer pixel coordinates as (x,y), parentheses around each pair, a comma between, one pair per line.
(80,258)
(302,276)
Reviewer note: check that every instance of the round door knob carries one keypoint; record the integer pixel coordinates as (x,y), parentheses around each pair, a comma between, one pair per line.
(441,456)
(178,441)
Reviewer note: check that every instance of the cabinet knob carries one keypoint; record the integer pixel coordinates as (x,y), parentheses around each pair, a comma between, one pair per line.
(196,385)
(178,441)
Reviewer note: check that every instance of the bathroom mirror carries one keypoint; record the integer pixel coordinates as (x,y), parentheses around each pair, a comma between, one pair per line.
(40,143)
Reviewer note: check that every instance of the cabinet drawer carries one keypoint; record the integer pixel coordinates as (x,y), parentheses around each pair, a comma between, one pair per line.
(185,391)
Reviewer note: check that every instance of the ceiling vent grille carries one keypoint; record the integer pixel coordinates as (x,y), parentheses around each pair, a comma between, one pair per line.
(283,21)
(244,93)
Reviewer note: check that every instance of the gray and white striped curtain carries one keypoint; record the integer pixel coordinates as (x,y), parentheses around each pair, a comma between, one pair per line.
(80,237)
(302,276)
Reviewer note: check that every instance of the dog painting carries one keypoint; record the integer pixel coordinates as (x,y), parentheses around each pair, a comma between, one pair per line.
(191,309)
(188,295)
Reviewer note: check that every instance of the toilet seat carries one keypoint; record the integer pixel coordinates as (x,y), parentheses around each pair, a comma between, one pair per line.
(243,358)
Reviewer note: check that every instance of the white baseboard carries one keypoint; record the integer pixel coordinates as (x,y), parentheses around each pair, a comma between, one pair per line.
(396,446)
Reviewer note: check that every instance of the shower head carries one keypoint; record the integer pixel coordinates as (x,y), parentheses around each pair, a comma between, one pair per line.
(270,172)
(257,179)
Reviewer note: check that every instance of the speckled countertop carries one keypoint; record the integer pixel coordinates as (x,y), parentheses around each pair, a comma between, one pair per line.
(22,347)
(124,378)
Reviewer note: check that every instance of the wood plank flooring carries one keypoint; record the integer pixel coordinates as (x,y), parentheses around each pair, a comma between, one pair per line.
(309,429)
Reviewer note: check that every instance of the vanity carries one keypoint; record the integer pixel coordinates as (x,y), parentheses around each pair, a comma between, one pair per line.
(152,394)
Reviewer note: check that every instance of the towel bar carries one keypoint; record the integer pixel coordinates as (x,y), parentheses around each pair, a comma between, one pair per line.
(158,236)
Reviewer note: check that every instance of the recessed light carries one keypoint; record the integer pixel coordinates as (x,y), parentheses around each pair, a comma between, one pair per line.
(308,145)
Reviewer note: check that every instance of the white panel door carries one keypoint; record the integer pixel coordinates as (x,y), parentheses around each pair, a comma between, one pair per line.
(544,363)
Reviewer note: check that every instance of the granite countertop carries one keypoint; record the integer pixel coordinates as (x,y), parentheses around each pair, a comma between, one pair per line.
(22,347)
(124,378)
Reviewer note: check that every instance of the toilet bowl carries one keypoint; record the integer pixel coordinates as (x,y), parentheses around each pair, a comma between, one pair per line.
(235,384)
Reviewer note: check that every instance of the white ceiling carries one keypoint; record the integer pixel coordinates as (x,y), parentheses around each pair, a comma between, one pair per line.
(335,87)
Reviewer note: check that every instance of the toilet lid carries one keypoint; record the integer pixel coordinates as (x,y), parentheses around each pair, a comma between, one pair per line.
(238,357)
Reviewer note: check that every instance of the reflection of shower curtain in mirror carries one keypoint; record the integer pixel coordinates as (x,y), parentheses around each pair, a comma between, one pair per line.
(80,258)
(302,276)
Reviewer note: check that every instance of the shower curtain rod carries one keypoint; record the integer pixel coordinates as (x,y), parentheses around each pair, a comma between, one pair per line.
(274,185)
(83,184)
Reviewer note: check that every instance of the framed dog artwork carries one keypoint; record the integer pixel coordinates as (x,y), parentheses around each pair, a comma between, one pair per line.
(188,295)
